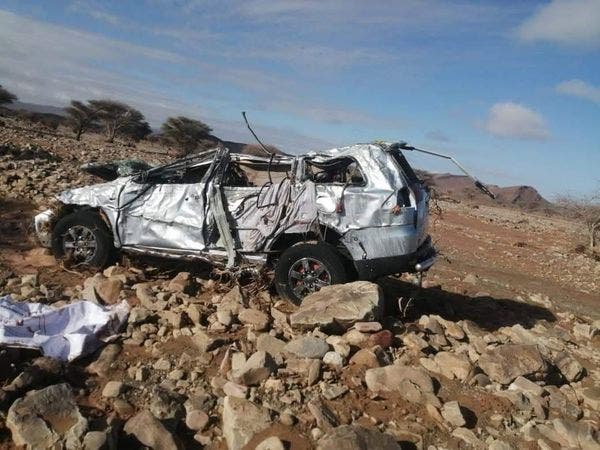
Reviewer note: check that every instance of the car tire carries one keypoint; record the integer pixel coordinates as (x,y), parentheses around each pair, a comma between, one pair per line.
(305,268)
(83,238)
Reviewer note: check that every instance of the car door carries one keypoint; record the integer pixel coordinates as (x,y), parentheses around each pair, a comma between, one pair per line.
(168,210)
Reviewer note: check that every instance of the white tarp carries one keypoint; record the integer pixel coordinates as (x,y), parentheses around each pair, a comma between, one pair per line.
(64,333)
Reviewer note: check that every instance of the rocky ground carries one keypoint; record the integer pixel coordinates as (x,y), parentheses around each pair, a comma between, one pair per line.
(500,349)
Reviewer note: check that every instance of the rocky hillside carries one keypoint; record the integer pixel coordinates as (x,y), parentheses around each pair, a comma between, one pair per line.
(461,188)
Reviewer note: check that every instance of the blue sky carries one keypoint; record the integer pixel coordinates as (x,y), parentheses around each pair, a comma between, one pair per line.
(512,89)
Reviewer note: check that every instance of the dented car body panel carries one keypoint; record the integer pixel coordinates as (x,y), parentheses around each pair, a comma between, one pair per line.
(232,209)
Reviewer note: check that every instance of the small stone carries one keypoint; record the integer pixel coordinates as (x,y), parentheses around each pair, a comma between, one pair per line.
(333,359)
(256,369)
(102,365)
(307,347)
(468,437)
(235,390)
(368,327)
(571,369)
(112,389)
(94,440)
(365,357)
(123,408)
(333,391)
(162,364)
(505,363)
(355,437)
(242,419)
(182,282)
(591,397)
(196,420)
(150,431)
(176,374)
(206,343)
(258,320)
(524,385)
(314,372)
(270,344)
(225,317)
(383,338)
(414,384)
(452,413)
(271,443)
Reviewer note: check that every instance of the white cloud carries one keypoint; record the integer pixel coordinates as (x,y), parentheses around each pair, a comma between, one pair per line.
(579,88)
(571,22)
(50,64)
(513,120)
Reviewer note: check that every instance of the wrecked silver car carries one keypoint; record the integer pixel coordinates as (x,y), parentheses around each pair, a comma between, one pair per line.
(317,219)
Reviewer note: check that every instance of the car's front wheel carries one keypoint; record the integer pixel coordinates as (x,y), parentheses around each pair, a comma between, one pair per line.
(306,268)
(82,237)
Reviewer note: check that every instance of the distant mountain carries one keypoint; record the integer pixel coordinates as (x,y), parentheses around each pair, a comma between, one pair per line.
(34,107)
(461,188)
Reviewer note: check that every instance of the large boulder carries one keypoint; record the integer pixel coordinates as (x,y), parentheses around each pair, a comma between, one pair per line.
(242,419)
(355,437)
(339,306)
(505,363)
(47,418)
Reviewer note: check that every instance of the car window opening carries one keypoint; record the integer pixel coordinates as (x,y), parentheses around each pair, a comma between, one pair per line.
(345,171)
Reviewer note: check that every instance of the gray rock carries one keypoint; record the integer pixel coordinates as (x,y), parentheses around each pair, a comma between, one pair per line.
(307,347)
(339,306)
(355,437)
(505,363)
(46,418)
(150,431)
(242,419)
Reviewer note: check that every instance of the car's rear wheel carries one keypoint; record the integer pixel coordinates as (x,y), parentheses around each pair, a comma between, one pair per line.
(305,268)
(82,238)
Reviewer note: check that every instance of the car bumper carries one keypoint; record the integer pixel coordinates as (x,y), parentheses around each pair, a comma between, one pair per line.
(42,224)
(419,261)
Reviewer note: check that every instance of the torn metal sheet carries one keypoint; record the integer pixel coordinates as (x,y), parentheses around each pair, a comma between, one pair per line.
(65,332)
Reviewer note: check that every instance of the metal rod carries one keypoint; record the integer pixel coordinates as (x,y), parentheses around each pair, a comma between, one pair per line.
(255,136)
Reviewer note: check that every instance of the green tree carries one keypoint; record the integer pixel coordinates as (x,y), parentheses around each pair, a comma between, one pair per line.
(184,133)
(119,119)
(81,117)
(6,96)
